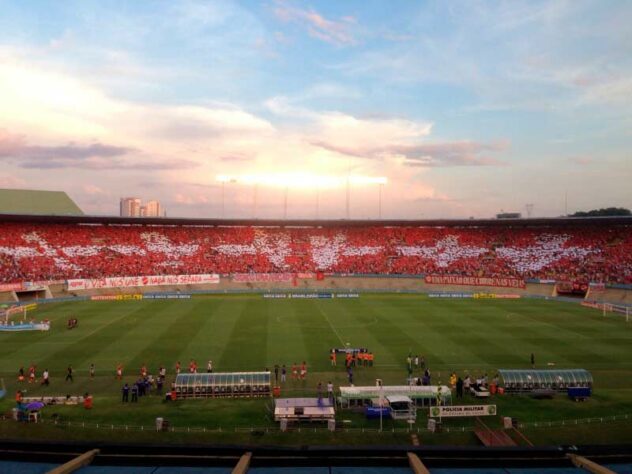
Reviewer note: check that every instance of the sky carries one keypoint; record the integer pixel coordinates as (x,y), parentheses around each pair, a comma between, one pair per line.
(468,108)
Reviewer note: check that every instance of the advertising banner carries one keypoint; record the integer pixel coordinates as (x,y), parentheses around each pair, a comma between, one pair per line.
(450,295)
(495,295)
(463,410)
(474,281)
(151,280)
(166,296)
(116,297)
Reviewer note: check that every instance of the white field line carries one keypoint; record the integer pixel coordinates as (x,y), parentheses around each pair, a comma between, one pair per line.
(342,341)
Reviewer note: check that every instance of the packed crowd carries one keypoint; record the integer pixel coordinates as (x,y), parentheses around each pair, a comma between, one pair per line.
(36,252)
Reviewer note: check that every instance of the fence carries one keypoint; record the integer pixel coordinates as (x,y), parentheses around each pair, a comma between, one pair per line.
(310,429)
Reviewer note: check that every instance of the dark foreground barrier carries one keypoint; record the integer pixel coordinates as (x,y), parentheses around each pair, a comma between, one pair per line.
(267,456)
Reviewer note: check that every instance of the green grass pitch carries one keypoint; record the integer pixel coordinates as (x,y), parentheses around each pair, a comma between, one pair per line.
(248,332)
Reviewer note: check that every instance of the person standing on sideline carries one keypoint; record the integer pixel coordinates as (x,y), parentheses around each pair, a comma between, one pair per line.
(283,373)
(178,366)
(350,375)
(459,388)
(330,391)
(125,392)
(209,366)
(320,393)
(91,371)
(332,357)
(45,376)
(294,371)
(119,371)
(303,370)
(276,374)
(416,362)
(69,373)
(134,393)
(467,383)
(532,360)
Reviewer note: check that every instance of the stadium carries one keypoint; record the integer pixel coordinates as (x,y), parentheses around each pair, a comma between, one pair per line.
(500,338)
(315,237)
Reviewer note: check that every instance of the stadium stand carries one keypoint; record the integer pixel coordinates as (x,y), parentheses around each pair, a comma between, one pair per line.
(32,251)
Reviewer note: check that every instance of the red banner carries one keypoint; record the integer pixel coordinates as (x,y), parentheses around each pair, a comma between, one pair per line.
(474,281)
(11,286)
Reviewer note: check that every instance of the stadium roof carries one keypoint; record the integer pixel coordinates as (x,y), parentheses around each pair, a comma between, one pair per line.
(31,202)
(9,216)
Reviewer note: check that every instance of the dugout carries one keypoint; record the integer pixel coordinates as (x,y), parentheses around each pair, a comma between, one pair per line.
(529,380)
(424,395)
(227,385)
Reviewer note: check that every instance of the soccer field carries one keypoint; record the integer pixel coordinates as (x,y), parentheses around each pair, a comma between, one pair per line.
(250,333)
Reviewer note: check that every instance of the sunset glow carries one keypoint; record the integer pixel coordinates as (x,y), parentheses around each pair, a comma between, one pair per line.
(467,108)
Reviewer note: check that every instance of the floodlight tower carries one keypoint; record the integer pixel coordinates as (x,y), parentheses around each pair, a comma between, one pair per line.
(223,179)
(348,198)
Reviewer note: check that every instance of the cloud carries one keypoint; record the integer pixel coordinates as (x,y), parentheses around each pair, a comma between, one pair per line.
(336,32)
(96,156)
(511,55)
(458,153)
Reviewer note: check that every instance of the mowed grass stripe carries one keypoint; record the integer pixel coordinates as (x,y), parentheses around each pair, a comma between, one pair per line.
(220,329)
(123,340)
(553,344)
(11,343)
(317,336)
(416,321)
(283,333)
(459,330)
(359,325)
(119,338)
(169,330)
(394,339)
(57,349)
(246,348)
(503,326)
(593,334)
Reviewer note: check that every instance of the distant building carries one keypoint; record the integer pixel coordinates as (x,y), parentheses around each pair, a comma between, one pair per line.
(130,207)
(153,209)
